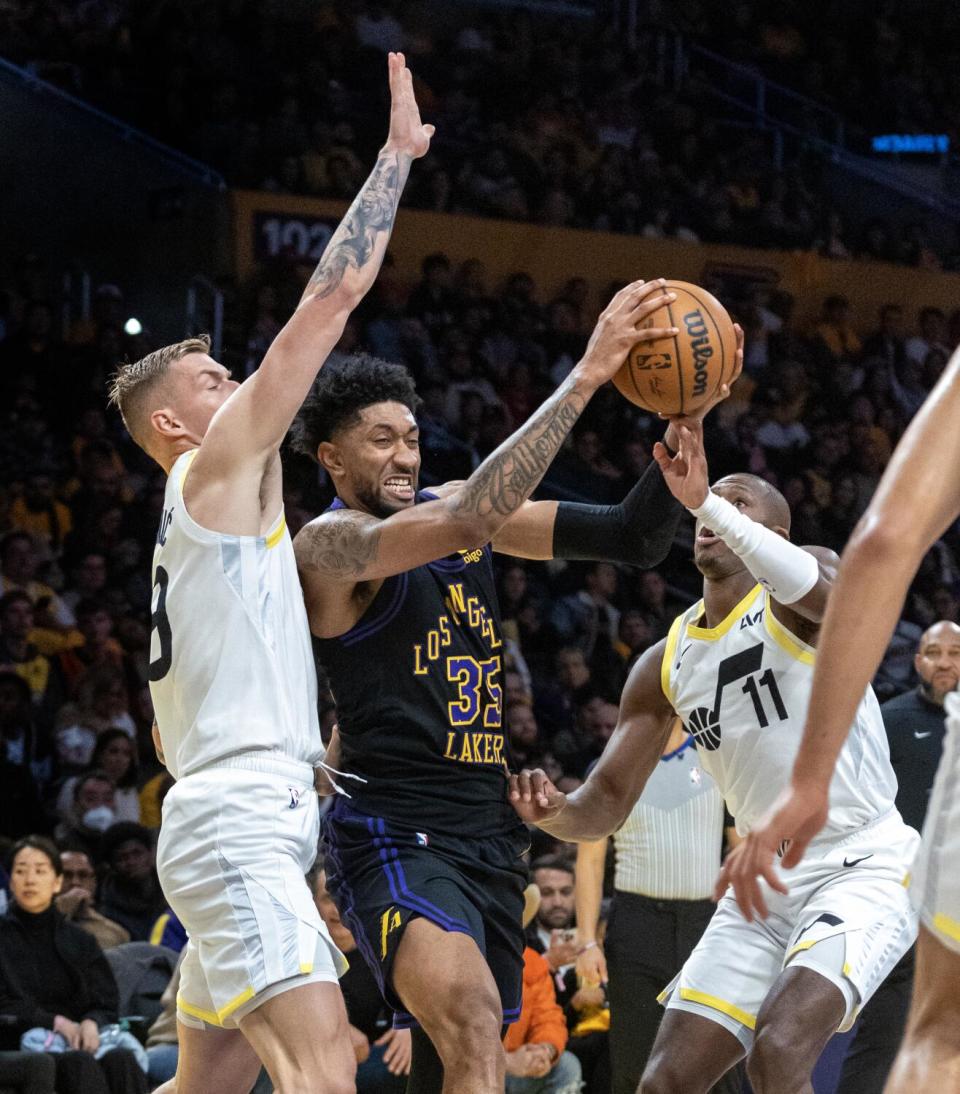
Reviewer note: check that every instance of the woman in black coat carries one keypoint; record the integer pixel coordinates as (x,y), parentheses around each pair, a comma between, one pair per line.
(53,975)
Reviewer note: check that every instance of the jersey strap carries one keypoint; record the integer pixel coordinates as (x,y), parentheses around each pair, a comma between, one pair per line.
(669,651)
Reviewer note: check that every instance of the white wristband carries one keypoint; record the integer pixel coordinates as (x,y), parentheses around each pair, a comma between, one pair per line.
(786,571)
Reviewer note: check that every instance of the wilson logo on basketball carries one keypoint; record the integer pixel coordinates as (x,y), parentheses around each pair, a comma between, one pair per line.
(702,350)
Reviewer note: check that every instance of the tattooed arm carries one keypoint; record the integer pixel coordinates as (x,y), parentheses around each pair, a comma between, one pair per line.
(349,546)
(251,425)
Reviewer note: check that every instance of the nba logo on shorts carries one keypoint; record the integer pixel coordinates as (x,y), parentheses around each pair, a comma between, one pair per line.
(695,776)
(422,838)
(294,797)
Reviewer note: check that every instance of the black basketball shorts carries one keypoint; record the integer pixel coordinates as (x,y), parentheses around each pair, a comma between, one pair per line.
(384,874)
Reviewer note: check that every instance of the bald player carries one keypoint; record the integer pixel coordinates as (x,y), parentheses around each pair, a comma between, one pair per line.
(737,667)
(917,500)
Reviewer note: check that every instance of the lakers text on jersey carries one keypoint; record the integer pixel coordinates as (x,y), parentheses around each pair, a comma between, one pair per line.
(418,687)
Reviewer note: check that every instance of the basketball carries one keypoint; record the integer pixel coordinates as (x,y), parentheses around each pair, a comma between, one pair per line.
(678,375)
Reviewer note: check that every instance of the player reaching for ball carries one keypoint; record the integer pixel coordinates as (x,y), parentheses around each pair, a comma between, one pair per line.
(233,679)
(737,668)
(424,857)
(917,499)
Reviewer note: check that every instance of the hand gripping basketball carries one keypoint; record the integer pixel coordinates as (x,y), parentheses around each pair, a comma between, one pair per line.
(679,374)
(620,327)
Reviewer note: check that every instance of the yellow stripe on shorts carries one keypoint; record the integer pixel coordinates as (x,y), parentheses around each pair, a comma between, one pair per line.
(945,925)
(745,1019)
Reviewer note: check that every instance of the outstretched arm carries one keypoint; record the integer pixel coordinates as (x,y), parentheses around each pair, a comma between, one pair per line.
(254,420)
(354,546)
(599,807)
(637,532)
(917,499)
(797,578)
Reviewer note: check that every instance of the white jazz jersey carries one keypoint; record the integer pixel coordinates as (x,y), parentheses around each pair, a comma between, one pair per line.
(231,662)
(742,689)
(935,878)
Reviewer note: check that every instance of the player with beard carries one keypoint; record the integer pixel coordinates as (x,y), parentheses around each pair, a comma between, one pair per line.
(737,667)
(424,858)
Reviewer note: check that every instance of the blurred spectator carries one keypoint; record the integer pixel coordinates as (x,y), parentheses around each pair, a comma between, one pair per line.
(102,702)
(115,755)
(19,564)
(99,648)
(930,337)
(91,814)
(88,579)
(535,1043)
(18,654)
(38,512)
(553,935)
(77,899)
(24,744)
(130,892)
(523,733)
(587,618)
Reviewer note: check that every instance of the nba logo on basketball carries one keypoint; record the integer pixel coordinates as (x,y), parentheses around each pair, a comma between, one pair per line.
(645,361)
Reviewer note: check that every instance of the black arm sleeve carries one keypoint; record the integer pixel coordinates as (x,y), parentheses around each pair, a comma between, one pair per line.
(638,531)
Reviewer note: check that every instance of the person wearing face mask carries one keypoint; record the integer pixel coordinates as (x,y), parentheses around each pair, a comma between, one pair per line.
(92,813)
(54,978)
(130,893)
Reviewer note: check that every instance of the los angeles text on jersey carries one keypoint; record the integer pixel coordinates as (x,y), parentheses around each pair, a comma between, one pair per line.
(476,709)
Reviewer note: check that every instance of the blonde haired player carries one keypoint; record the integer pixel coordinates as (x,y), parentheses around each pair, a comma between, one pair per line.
(737,667)
(232,673)
(917,500)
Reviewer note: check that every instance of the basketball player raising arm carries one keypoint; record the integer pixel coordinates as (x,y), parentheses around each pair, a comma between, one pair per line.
(737,668)
(917,500)
(346,550)
(401,596)
(232,675)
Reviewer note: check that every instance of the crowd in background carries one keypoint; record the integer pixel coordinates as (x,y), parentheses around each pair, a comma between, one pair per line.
(557,121)
(538,121)
(817,411)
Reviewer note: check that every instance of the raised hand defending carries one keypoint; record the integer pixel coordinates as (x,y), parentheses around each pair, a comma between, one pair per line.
(686,472)
(408,135)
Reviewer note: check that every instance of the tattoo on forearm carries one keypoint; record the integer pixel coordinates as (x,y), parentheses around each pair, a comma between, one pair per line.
(504,481)
(372,213)
(340,546)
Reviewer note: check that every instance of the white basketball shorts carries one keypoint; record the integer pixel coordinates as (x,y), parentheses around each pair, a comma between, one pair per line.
(847,916)
(235,842)
(935,877)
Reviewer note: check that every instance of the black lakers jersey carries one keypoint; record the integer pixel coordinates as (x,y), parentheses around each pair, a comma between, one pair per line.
(418,687)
